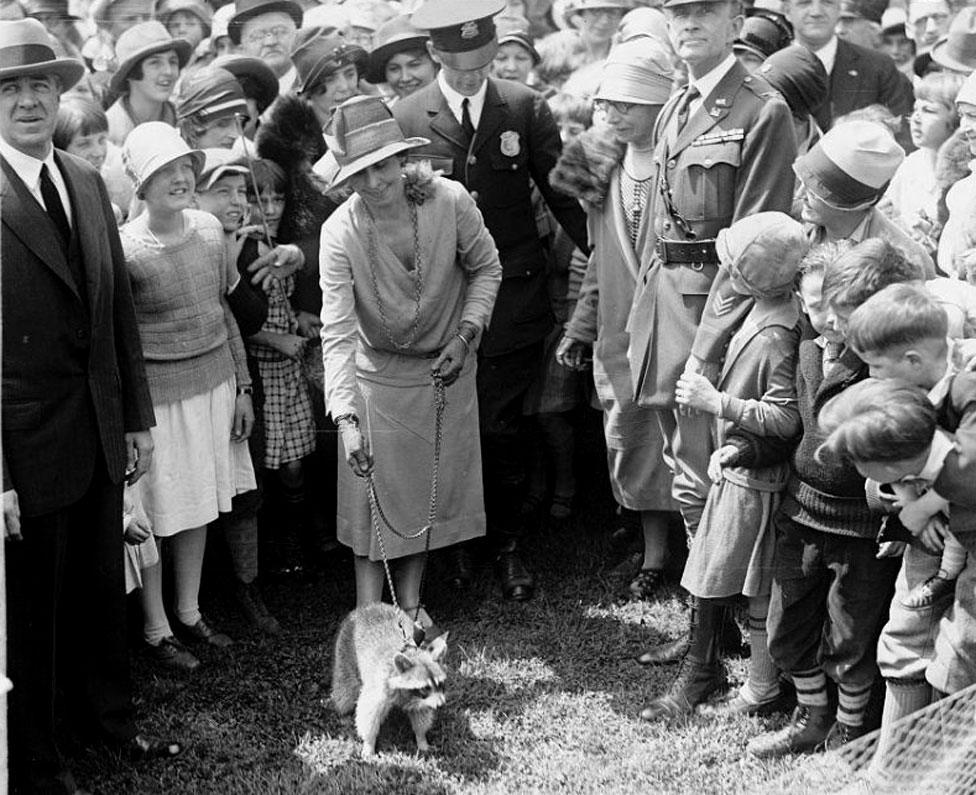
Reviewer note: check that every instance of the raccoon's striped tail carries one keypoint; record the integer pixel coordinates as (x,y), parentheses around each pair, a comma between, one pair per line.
(345,671)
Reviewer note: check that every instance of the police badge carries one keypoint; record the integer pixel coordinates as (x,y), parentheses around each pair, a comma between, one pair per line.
(510,143)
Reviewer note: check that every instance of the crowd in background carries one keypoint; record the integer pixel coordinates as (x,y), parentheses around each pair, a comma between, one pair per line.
(830,489)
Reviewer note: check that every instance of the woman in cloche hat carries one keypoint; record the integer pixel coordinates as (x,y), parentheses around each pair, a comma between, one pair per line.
(198,379)
(150,61)
(409,276)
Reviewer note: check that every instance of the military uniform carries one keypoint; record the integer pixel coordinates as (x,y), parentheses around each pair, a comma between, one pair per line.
(515,143)
(732,158)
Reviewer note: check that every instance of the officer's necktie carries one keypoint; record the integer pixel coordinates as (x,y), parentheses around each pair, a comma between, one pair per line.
(466,124)
(54,206)
(691,94)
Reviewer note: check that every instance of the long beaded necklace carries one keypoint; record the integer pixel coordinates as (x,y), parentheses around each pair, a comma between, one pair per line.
(418,280)
(633,198)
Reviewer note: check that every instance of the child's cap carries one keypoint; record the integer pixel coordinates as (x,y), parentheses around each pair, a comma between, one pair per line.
(764,250)
(219,163)
(851,166)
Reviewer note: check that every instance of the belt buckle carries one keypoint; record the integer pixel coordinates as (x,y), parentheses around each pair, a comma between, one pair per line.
(698,266)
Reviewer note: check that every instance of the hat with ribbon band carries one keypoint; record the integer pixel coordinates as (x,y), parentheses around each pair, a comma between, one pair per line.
(361,133)
(394,37)
(138,43)
(26,48)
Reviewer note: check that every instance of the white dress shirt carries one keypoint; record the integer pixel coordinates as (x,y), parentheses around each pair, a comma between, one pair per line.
(707,82)
(828,54)
(475,103)
(29,170)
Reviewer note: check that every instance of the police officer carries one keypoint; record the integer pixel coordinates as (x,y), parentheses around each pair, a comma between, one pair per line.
(724,147)
(494,136)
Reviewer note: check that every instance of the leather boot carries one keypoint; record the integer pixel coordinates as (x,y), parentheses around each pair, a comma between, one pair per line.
(730,644)
(701,673)
(807,730)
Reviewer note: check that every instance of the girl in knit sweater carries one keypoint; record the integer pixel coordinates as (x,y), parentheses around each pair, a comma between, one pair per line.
(197,373)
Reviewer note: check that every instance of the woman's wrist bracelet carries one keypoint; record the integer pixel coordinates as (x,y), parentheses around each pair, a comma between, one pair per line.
(467,345)
(245,390)
(350,418)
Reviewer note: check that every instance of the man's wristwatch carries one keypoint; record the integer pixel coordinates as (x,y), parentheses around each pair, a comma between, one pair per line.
(245,390)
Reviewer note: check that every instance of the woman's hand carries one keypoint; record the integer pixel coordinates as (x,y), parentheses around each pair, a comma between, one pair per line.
(448,365)
(571,353)
(720,459)
(695,391)
(358,455)
(291,345)
(279,263)
(309,325)
(243,419)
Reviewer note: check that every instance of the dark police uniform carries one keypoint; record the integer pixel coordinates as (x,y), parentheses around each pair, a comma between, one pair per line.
(732,158)
(516,141)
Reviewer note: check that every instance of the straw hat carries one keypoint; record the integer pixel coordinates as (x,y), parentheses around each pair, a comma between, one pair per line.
(393,37)
(361,133)
(154,145)
(957,49)
(639,71)
(764,250)
(26,49)
(138,43)
(463,33)
(851,166)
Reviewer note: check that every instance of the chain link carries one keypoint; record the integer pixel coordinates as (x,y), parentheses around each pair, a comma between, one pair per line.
(418,281)
(379,518)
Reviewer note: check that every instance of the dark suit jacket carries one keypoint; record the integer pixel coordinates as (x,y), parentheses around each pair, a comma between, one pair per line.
(733,158)
(863,77)
(517,139)
(73,376)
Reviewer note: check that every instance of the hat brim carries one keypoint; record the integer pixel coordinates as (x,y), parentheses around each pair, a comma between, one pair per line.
(236,22)
(243,66)
(741,46)
(380,56)
(197,156)
(808,173)
(472,59)
(67,70)
(206,181)
(364,162)
(513,38)
(942,58)
(183,49)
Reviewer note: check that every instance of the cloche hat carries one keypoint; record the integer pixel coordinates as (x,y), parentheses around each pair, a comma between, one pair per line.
(151,146)
(26,48)
(138,43)
(638,71)
(361,133)
(764,250)
(393,37)
(316,56)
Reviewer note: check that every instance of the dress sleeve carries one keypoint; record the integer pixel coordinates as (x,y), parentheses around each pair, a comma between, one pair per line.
(479,258)
(233,331)
(339,322)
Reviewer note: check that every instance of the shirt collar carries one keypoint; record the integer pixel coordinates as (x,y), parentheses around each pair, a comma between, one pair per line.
(454,99)
(937,394)
(707,82)
(25,166)
(828,54)
(942,445)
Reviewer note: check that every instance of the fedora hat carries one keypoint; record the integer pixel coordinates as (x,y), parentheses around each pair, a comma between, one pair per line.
(151,146)
(361,133)
(26,48)
(257,80)
(138,43)
(957,49)
(463,33)
(393,37)
(248,9)
(316,56)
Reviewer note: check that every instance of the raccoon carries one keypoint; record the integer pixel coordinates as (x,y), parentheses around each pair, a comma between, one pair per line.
(375,670)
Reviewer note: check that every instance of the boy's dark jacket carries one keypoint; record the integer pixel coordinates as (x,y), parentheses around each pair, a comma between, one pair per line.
(957,481)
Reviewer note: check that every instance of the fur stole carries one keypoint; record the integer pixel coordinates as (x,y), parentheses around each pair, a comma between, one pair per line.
(586,165)
(951,165)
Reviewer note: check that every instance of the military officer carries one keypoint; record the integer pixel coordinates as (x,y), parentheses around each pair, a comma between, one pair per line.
(724,147)
(494,136)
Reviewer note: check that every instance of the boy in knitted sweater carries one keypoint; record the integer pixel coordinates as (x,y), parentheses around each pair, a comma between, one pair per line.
(830,591)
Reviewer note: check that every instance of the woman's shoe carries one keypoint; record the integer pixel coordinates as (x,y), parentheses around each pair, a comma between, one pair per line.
(173,654)
(646,584)
(202,632)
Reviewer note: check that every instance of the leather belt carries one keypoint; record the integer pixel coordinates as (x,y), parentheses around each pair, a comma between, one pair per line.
(687,252)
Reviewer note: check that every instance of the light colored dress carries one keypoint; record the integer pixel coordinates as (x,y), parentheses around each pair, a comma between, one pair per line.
(389,388)
(194,361)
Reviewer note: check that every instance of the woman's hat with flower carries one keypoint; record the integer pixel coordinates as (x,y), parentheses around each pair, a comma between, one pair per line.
(154,145)
(361,133)
(138,43)
(26,48)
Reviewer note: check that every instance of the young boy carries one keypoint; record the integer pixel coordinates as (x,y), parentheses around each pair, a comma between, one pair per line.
(830,591)
(901,333)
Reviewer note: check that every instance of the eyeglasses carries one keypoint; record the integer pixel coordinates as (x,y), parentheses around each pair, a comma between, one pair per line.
(623,108)
(277,33)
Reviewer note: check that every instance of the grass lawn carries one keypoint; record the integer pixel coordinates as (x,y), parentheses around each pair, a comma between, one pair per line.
(542,697)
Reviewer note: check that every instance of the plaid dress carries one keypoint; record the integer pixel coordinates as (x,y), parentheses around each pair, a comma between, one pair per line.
(288,421)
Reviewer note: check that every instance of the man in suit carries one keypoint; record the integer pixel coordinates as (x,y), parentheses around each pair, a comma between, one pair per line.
(724,148)
(858,76)
(494,136)
(76,416)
